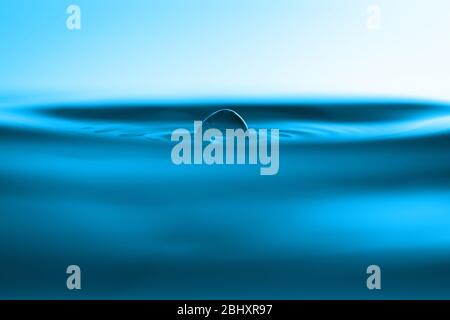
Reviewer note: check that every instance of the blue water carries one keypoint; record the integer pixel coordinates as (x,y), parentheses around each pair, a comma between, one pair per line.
(361,182)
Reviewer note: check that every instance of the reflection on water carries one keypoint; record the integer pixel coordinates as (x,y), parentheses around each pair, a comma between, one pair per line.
(360,183)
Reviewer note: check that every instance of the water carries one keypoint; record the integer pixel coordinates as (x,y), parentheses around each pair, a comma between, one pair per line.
(360,183)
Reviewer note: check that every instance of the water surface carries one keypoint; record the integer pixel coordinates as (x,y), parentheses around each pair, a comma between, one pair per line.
(360,183)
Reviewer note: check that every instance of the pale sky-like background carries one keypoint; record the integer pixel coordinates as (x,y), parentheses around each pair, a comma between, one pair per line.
(207,48)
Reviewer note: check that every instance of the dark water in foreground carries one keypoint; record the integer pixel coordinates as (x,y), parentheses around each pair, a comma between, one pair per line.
(359,184)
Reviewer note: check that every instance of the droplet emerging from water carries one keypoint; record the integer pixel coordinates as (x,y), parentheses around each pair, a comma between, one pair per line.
(224,119)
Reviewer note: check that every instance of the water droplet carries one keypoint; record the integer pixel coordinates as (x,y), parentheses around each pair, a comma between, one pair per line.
(224,119)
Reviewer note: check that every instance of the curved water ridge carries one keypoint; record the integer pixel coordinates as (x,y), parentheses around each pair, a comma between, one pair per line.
(298,123)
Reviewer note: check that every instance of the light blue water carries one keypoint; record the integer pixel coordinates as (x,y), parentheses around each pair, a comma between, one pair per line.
(360,183)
